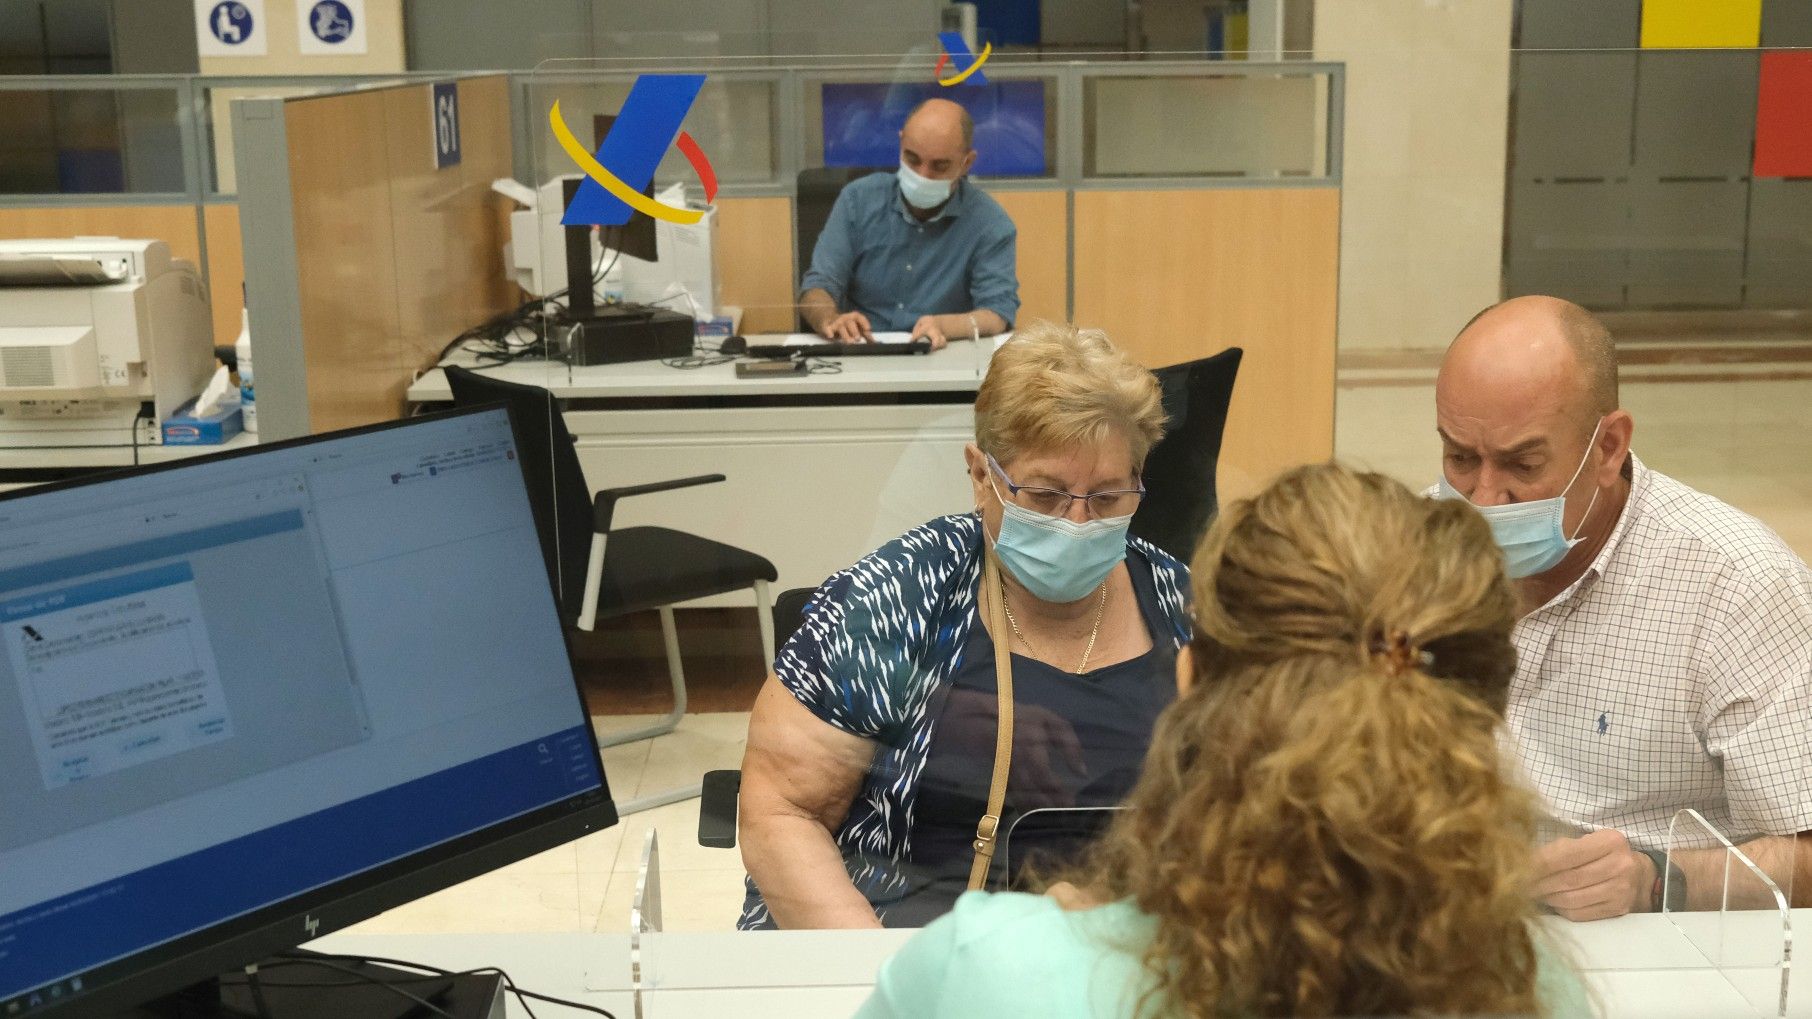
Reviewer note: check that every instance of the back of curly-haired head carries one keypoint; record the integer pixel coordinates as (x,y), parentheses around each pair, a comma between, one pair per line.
(1323,826)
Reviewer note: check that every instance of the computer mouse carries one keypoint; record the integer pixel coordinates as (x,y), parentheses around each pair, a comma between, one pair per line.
(733,345)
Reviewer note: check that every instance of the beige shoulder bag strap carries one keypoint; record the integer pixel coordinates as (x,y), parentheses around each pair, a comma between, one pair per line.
(989,825)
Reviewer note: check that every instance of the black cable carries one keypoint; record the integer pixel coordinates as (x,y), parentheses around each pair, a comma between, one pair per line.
(509,983)
(258,1002)
(326,963)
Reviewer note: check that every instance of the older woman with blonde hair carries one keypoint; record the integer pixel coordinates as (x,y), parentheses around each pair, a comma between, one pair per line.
(1324,826)
(977,667)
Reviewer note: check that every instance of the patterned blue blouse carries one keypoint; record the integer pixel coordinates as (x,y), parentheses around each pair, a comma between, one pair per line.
(876,644)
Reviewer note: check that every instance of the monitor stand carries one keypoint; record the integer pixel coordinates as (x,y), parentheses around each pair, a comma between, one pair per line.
(300,991)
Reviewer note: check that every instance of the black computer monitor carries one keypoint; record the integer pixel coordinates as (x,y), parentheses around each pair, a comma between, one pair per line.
(253,698)
(635,238)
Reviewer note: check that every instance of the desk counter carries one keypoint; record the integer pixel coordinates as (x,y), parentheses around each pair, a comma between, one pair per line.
(958,368)
(1641,967)
(822,469)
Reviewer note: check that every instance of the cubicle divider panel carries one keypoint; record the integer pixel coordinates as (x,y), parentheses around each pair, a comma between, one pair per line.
(755,261)
(1175,275)
(1042,218)
(448,226)
(393,257)
(345,257)
(226,269)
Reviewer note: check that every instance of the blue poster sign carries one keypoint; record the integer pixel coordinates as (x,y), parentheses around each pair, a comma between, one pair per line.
(446,124)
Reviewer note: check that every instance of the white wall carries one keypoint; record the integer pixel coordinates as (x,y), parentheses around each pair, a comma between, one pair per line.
(384,41)
(1427,117)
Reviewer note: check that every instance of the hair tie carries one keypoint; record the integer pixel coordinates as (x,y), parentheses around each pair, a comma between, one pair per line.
(1394,650)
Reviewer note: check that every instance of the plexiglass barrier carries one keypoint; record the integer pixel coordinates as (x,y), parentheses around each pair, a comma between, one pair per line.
(1731,909)
(1448,191)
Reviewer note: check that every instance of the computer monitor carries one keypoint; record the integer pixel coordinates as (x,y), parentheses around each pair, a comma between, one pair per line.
(250,699)
(635,238)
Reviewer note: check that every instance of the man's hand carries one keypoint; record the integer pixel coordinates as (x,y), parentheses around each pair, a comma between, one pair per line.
(850,327)
(1594,877)
(928,328)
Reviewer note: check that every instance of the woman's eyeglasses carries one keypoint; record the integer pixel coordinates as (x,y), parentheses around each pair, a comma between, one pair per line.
(1054,503)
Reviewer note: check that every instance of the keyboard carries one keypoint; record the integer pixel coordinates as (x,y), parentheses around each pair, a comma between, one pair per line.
(790,350)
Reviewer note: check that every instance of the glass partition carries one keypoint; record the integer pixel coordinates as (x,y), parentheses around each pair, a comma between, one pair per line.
(1192,124)
(1339,216)
(87,136)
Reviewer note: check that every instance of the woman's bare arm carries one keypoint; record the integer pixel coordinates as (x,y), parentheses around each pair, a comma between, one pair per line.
(799,777)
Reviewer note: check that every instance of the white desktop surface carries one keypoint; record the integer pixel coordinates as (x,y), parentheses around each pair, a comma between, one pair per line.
(1638,966)
(958,367)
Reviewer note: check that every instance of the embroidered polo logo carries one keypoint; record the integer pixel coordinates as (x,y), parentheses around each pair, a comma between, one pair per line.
(1604,722)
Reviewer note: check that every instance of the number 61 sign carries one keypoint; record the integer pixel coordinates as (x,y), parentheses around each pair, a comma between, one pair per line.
(445,114)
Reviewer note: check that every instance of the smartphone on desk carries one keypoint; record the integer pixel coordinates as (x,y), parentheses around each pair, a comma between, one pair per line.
(769,369)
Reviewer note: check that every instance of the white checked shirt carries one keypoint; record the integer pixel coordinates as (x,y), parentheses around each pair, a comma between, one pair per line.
(1677,672)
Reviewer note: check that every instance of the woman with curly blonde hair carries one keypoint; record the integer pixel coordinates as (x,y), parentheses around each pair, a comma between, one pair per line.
(1324,826)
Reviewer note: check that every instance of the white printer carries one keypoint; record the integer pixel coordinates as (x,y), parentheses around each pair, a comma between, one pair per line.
(91,330)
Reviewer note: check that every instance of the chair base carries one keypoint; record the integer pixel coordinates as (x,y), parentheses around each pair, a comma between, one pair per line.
(676,676)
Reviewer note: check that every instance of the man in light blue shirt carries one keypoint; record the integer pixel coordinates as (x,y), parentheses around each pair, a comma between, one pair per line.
(922,250)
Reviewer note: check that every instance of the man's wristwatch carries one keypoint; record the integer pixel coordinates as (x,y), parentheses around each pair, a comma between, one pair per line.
(1669,889)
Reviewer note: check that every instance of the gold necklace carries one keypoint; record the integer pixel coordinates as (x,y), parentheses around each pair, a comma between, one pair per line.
(1100,609)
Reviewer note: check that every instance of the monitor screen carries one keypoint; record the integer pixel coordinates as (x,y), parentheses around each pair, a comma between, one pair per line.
(256,697)
(862,122)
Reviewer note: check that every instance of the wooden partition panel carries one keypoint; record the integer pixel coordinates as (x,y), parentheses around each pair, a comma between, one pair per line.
(172,224)
(394,258)
(226,270)
(755,261)
(1177,275)
(1042,252)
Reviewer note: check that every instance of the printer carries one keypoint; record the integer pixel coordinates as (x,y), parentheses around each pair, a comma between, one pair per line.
(93,331)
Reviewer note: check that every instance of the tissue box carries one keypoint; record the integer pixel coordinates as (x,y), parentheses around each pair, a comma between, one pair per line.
(720,326)
(183,428)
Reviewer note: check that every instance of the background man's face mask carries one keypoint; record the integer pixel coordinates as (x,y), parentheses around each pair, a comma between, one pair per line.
(1533,534)
(923,192)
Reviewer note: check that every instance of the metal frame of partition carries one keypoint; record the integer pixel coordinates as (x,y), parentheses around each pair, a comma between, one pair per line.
(193,123)
(792,87)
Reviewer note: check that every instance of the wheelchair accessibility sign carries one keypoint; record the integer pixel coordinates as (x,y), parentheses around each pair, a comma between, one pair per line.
(231,28)
(330,27)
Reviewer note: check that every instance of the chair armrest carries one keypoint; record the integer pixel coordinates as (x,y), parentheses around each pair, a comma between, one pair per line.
(604,504)
(717,809)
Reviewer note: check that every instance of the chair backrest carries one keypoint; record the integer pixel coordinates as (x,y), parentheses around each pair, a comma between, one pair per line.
(1179,471)
(557,492)
(818,188)
(789,612)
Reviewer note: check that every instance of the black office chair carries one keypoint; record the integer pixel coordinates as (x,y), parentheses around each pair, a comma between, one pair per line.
(1179,470)
(601,573)
(816,189)
(717,809)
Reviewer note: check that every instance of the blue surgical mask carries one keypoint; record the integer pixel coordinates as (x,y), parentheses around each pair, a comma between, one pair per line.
(1533,534)
(1057,559)
(923,192)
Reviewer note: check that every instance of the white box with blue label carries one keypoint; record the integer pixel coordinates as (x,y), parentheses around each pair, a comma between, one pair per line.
(183,428)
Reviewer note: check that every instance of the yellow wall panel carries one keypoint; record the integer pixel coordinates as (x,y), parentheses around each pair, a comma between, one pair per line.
(1694,24)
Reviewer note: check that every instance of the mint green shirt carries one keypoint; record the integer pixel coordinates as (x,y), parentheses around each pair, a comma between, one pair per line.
(1012,954)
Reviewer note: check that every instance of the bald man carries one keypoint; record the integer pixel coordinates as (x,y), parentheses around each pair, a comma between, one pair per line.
(1664,656)
(921,250)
